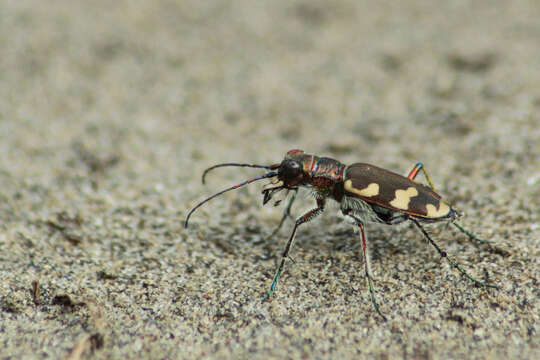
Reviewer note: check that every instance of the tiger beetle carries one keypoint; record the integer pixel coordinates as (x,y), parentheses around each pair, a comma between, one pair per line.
(366,193)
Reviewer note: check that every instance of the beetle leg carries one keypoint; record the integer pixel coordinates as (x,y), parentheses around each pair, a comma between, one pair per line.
(416,169)
(452,262)
(367,263)
(470,235)
(310,215)
(493,248)
(286,213)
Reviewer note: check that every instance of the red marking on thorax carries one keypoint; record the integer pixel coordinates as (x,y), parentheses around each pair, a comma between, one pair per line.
(314,165)
(295,152)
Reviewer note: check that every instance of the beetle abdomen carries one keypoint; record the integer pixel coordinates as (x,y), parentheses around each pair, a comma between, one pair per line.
(393,191)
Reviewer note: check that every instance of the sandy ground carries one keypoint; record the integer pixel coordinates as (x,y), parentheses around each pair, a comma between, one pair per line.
(110,111)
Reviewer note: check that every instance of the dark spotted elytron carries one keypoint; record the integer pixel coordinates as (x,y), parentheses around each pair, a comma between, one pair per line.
(366,193)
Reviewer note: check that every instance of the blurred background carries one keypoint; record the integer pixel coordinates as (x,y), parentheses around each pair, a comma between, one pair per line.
(110,111)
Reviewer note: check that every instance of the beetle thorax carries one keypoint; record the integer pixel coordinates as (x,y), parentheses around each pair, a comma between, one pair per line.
(321,174)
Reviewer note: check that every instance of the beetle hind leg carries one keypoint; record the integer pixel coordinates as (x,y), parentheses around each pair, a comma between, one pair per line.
(493,248)
(412,175)
(452,262)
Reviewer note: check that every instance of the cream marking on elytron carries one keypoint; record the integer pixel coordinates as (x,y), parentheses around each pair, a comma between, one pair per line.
(371,190)
(403,198)
(433,212)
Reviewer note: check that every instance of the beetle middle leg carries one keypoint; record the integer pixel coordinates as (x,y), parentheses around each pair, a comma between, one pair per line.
(367,263)
(310,215)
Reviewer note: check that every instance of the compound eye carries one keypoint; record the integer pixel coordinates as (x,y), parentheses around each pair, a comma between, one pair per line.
(290,169)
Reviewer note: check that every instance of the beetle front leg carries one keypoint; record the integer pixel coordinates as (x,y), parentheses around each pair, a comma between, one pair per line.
(367,262)
(310,215)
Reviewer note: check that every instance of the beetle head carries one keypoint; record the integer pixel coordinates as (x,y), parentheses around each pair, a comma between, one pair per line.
(290,174)
(287,175)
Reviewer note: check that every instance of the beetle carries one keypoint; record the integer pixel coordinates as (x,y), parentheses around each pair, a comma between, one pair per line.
(366,193)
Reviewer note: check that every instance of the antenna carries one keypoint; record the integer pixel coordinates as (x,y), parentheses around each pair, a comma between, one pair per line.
(266,176)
